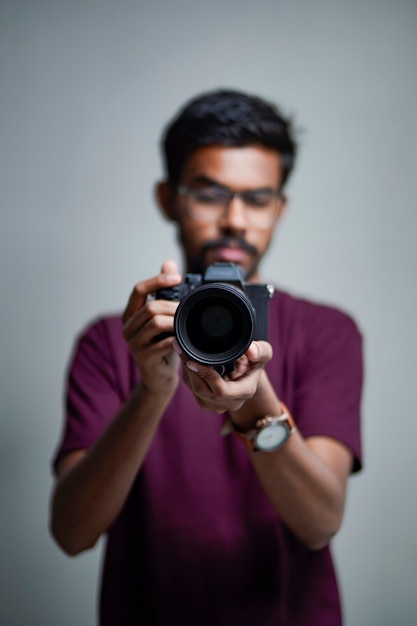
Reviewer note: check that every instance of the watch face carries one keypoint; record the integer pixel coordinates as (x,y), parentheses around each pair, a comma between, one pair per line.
(271,437)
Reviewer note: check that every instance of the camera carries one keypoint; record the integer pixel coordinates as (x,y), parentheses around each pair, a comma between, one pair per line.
(219,314)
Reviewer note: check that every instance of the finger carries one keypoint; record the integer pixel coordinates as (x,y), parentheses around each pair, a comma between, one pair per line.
(153,352)
(169,267)
(156,315)
(143,289)
(204,380)
(150,334)
(259,352)
(213,392)
(242,366)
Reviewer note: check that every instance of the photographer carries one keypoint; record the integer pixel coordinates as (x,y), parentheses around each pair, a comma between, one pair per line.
(205,527)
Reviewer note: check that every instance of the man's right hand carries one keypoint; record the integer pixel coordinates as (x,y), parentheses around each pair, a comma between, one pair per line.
(143,320)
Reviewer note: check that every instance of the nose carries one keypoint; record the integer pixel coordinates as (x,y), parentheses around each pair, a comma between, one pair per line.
(234,215)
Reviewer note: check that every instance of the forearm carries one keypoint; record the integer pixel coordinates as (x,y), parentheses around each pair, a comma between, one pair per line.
(305,493)
(305,480)
(89,496)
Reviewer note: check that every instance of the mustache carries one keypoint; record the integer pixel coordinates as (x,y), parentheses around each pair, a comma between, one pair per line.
(230,242)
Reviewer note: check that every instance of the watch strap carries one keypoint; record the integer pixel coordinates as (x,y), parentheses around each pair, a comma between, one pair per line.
(247,437)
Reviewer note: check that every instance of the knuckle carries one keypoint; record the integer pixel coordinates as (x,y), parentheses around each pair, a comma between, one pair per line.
(153,322)
(150,307)
(128,329)
(139,289)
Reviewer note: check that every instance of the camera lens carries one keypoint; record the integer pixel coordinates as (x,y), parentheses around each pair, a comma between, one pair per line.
(214,324)
(216,321)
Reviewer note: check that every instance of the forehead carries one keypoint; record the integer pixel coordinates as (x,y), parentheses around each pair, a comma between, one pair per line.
(247,167)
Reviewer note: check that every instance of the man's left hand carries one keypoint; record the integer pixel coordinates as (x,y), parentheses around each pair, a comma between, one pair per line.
(230,392)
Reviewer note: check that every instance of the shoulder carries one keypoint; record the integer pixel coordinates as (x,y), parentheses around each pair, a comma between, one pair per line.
(100,342)
(101,357)
(103,324)
(104,329)
(309,316)
(310,333)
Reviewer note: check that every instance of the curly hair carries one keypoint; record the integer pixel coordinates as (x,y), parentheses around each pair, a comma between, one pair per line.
(228,118)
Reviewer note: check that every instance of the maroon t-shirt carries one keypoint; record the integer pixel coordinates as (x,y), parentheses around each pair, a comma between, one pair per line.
(197,541)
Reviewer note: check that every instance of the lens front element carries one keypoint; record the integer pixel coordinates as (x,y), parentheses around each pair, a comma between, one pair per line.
(214,324)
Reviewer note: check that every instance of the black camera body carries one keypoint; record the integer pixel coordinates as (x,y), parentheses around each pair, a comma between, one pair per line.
(219,314)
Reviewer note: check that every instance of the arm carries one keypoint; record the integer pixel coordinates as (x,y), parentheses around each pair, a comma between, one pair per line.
(93,485)
(305,480)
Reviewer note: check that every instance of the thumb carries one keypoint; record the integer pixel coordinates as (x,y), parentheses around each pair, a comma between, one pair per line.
(169,267)
(259,352)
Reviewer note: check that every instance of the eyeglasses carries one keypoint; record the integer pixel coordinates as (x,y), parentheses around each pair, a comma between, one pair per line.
(208,204)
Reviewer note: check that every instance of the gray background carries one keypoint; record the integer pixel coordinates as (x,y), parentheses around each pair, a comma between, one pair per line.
(85,90)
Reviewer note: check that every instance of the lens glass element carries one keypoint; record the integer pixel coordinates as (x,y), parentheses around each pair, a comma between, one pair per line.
(214,324)
(217,321)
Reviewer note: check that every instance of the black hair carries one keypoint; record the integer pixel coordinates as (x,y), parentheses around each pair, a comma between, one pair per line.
(227,118)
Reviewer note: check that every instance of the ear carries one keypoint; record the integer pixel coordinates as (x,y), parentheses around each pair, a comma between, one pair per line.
(165,198)
(282,207)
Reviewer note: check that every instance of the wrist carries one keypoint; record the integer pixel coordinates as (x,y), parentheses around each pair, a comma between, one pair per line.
(263,402)
(157,390)
(268,433)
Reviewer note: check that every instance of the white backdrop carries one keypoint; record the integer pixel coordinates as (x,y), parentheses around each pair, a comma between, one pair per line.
(85,90)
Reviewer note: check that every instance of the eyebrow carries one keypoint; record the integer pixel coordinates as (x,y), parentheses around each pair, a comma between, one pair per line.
(206,180)
(202,180)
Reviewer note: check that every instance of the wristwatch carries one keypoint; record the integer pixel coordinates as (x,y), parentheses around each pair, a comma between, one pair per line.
(268,434)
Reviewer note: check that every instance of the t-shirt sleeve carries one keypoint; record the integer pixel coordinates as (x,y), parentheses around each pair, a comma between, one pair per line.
(93,393)
(330,377)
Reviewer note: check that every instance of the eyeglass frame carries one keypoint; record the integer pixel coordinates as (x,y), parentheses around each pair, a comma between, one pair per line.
(229,195)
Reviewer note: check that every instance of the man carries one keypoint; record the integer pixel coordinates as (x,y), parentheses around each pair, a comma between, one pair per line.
(204,528)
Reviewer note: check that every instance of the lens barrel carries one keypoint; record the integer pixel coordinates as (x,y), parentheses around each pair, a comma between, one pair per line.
(214,324)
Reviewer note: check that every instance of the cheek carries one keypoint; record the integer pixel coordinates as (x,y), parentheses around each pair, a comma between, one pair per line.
(261,240)
(194,235)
